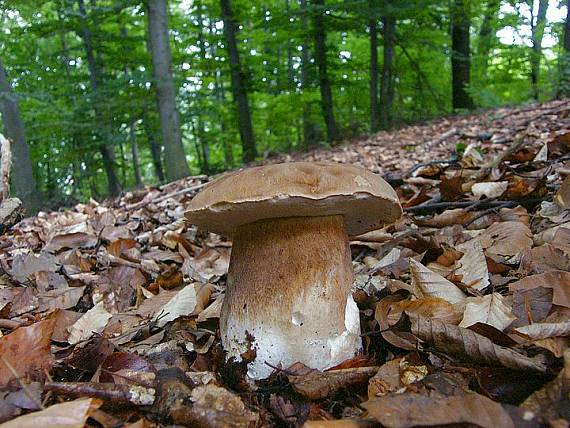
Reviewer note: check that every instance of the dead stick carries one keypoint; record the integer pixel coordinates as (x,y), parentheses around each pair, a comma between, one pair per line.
(462,204)
(486,168)
(117,393)
(165,197)
(5,165)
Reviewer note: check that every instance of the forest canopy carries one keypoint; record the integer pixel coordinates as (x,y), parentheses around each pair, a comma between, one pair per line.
(101,96)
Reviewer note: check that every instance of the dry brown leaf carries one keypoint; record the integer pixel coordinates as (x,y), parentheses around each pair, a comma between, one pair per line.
(472,266)
(340,423)
(72,414)
(93,321)
(319,385)
(559,281)
(551,400)
(432,307)
(545,330)
(449,218)
(434,285)
(467,345)
(545,258)
(62,298)
(562,197)
(490,309)
(410,410)
(25,353)
(398,339)
(387,379)
(214,406)
(26,265)
(531,305)
(507,238)
(490,189)
(191,300)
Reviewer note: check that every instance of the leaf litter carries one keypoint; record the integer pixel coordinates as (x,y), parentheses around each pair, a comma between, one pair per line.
(464,302)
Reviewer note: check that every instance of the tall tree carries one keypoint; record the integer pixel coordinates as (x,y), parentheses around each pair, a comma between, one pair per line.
(174,157)
(486,34)
(320,35)
(460,54)
(373,31)
(538,23)
(22,171)
(238,84)
(95,78)
(387,83)
(309,137)
(564,61)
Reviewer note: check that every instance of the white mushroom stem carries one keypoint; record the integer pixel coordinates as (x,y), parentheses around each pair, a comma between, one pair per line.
(289,287)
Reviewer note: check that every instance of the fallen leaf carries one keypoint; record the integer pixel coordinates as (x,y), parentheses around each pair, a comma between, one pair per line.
(410,409)
(532,305)
(490,189)
(434,285)
(25,353)
(562,197)
(506,238)
(26,265)
(470,346)
(490,309)
(191,300)
(559,281)
(387,379)
(72,414)
(319,385)
(93,321)
(545,330)
(432,307)
(472,266)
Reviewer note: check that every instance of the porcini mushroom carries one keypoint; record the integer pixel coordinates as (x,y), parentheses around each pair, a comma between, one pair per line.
(290,274)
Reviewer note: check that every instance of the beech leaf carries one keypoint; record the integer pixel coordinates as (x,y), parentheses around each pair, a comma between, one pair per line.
(433,284)
(490,309)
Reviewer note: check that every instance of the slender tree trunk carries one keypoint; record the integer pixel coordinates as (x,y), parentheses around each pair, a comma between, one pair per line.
(309,137)
(203,138)
(154,147)
(135,157)
(290,74)
(22,169)
(460,55)
(238,85)
(174,156)
(321,60)
(486,34)
(95,77)
(387,83)
(538,24)
(564,86)
(373,30)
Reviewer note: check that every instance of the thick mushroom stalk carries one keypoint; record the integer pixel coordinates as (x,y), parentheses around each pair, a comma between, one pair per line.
(289,288)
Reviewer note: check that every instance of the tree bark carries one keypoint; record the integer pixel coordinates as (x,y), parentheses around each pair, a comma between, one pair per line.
(203,138)
(460,55)
(238,85)
(95,77)
(373,30)
(154,146)
(174,156)
(135,157)
(321,60)
(309,137)
(538,23)
(564,86)
(22,170)
(387,83)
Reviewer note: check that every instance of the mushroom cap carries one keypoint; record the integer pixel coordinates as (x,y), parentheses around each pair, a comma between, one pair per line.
(296,189)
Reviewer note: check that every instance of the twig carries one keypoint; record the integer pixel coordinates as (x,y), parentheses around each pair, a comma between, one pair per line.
(10,324)
(484,203)
(486,168)
(5,165)
(117,393)
(165,197)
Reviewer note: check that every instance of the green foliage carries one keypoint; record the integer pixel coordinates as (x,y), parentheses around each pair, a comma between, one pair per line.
(42,49)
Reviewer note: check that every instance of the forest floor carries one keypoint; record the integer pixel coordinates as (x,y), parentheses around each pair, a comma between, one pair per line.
(464,302)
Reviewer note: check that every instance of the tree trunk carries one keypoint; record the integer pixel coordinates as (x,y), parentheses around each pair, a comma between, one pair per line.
(564,86)
(290,74)
(135,157)
(538,23)
(95,76)
(486,34)
(460,55)
(373,30)
(154,147)
(321,60)
(309,137)
(203,138)
(22,170)
(238,85)
(174,156)
(387,83)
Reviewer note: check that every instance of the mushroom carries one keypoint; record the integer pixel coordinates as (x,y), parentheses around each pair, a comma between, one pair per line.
(289,281)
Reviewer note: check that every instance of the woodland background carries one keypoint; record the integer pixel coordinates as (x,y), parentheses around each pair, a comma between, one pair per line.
(100,96)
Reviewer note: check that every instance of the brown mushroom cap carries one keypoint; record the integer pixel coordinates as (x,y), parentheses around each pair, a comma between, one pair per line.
(297,189)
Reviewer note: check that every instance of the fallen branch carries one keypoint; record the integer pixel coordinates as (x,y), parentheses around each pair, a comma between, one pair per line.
(165,197)
(483,204)
(487,167)
(117,393)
